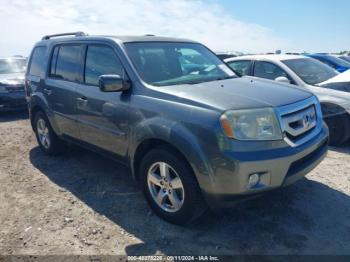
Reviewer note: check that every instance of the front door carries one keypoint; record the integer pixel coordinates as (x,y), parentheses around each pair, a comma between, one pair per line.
(102,116)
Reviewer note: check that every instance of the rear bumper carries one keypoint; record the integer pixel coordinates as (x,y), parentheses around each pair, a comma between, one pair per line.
(12,101)
(230,183)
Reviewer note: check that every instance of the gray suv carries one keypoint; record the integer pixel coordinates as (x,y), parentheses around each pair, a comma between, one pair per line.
(192,133)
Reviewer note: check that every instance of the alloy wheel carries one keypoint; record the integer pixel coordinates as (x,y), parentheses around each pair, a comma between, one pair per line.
(166,187)
(43,133)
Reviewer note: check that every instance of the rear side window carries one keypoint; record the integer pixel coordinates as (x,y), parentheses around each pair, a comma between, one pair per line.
(268,70)
(241,67)
(101,60)
(65,63)
(38,62)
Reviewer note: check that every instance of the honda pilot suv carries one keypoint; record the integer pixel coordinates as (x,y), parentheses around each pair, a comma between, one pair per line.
(192,133)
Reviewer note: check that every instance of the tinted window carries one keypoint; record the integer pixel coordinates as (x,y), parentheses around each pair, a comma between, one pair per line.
(241,67)
(337,61)
(268,70)
(54,61)
(162,64)
(311,71)
(67,64)
(345,58)
(38,62)
(101,60)
(327,62)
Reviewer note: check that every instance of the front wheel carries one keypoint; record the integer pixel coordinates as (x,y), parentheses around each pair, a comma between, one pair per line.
(170,186)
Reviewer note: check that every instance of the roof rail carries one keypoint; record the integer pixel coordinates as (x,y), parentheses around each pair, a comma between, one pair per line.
(46,37)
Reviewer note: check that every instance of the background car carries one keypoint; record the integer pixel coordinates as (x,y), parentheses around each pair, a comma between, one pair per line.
(228,54)
(12,95)
(334,62)
(332,88)
(346,58)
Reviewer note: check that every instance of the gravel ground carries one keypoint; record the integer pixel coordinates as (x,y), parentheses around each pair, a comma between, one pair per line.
(82,203)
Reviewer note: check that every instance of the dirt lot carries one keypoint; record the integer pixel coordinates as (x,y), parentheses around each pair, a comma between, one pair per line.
(82,203)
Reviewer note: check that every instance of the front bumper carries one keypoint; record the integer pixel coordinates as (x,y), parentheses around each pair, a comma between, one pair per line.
(277,168)
(12,101)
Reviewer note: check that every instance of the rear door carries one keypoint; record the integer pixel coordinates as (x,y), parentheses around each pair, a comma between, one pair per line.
(64,76)
(102,116)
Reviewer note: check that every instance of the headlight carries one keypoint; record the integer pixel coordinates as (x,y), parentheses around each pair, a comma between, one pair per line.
(251,124)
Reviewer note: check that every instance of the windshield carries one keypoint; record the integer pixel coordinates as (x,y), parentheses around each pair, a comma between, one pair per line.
(310,70)
(345,58)
(164,63)
(337,61)
(10,66)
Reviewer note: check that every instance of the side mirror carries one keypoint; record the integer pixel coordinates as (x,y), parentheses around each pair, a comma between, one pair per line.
(282,79)
(113,83)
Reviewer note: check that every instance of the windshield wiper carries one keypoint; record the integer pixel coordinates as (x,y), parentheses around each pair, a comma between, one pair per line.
(219,78)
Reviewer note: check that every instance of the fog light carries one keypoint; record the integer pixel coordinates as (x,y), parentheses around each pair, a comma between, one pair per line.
(254,179)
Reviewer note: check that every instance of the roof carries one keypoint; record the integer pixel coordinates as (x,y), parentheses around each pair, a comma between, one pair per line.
(267,57)
(123,39)
(150,38)
(319,55)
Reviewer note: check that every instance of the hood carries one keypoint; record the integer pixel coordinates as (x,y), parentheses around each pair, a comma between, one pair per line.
(238,93)
(12,79)
(340,82)
(343,77)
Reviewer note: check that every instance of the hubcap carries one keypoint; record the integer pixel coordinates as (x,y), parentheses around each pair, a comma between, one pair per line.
(43,133)
(165,187)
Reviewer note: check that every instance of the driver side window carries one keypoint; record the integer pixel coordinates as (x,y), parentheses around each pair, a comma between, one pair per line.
(268,70)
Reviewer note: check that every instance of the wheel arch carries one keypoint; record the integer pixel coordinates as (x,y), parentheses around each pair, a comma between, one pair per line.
(175,136)
(330,109)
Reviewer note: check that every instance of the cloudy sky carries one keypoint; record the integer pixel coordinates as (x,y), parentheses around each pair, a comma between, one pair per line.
(260,26)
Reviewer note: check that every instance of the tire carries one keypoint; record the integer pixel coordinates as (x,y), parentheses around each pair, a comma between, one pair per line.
(48,141)
(339,128)
(189,202)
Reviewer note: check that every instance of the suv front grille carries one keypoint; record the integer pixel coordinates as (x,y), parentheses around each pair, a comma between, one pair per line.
(300,121)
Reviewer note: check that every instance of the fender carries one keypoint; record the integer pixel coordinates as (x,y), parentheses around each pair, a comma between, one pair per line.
(37,99)
(330,109)
(180,138)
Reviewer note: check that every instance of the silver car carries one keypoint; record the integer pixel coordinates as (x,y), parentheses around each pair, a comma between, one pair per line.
(331,88)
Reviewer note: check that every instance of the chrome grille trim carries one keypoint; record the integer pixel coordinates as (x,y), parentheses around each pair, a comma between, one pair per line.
(296,112)
(304,121)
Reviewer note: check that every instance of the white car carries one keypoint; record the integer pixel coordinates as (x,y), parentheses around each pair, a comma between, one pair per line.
(332,88)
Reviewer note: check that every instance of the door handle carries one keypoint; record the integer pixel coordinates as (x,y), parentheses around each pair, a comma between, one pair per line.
(47,91)
(82,100)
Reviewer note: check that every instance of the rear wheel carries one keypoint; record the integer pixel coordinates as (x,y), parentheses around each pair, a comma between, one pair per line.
(170,186)
(48,141)
(338,129)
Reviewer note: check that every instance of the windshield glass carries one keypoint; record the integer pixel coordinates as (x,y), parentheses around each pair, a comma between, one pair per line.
(164,63)
(10,66)
(310,70)
(345,58)
(338,61)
